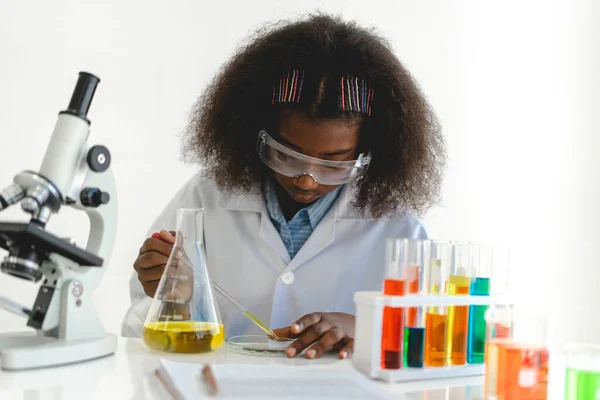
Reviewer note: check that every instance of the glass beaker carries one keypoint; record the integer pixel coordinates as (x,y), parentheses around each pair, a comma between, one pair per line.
(516,356)
(184,316)
(583,372)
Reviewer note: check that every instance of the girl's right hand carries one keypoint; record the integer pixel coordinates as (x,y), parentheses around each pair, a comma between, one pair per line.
(152,260)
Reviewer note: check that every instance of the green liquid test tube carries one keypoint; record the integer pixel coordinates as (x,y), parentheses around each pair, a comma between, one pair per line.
(477,325)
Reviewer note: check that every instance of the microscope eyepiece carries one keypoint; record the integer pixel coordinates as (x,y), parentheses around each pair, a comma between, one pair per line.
(83,95)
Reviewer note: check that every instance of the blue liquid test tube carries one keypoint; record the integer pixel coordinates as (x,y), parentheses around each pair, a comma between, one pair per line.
(481,257)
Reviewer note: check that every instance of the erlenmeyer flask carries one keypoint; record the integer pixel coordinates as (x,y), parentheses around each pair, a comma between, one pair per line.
(184,316)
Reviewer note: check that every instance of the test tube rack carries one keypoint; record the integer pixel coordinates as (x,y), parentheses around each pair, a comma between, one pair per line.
(367,341)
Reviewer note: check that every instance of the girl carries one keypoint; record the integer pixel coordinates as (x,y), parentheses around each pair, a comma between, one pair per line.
(317,145)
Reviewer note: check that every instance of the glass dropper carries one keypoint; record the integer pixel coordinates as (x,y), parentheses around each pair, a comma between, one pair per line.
(247,313)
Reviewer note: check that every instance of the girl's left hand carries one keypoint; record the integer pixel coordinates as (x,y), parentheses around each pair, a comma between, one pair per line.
(326,330)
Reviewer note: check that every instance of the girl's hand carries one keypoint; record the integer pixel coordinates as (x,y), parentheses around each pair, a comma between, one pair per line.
(152,259)
(324,331)
(151,263)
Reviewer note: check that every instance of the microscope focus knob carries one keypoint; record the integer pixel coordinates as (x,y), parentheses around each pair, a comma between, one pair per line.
(94,197)
(98,158)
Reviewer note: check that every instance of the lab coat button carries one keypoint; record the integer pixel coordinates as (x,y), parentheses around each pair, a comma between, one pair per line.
(287,278)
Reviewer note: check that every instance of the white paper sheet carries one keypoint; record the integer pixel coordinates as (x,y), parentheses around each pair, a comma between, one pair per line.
(274,381)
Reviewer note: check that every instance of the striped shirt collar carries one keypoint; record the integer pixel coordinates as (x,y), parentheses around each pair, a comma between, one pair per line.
(316,211)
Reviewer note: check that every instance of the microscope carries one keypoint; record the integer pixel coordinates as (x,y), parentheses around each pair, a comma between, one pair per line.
(67,328)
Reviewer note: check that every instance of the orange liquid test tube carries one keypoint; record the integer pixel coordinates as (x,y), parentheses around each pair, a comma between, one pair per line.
(392,340)
(435,340)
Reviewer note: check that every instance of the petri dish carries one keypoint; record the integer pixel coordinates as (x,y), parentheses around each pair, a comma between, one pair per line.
(256,345)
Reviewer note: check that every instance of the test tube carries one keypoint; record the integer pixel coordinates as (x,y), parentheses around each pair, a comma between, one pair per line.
(415,341)
(412,265)
(516,361)
(458,316)
(394,284)
(481,267)
(435,316)
(582,379)
(414,331)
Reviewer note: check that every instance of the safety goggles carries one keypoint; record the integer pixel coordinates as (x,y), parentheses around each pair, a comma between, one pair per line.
(292,164)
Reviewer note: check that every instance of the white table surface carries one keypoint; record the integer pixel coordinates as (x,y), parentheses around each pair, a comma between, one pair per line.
(128,375)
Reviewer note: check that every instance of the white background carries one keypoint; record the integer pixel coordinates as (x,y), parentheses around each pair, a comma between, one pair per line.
(515,86)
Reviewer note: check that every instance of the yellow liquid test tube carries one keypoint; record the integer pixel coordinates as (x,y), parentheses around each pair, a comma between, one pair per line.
(458,322)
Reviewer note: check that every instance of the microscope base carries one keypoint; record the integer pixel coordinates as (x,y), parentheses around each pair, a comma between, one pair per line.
(24,351)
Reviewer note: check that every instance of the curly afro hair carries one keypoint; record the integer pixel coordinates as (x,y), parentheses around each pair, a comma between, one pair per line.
(402,133)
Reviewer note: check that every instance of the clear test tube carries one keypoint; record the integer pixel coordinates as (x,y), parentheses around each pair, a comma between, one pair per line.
(436,316)
(582,379)
(394,284)
(516,355)
(426,254)
(439,266)
(413,252)
(458,316)
(481,271)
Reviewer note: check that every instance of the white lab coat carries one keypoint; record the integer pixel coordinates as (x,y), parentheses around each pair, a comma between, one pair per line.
(246,256)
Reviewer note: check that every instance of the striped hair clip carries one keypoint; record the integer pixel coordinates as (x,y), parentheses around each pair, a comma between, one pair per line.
(357,95)
(289,88)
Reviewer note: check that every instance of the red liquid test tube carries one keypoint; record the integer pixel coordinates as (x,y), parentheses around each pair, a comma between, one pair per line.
(392,333)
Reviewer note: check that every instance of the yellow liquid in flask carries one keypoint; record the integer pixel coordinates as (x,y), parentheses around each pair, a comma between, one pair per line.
(183,337)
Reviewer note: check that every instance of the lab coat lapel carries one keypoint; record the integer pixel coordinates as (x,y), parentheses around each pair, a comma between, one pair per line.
(266,231)
(324,233)
(321,237)
(271,237)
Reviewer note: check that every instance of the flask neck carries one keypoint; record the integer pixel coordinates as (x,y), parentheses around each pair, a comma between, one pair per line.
(190,223)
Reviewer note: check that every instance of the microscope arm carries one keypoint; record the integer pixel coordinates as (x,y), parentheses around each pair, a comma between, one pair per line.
(102,213)
(70,309)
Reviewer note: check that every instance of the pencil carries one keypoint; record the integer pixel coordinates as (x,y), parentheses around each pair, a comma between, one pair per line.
(168,385)
(209,379)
